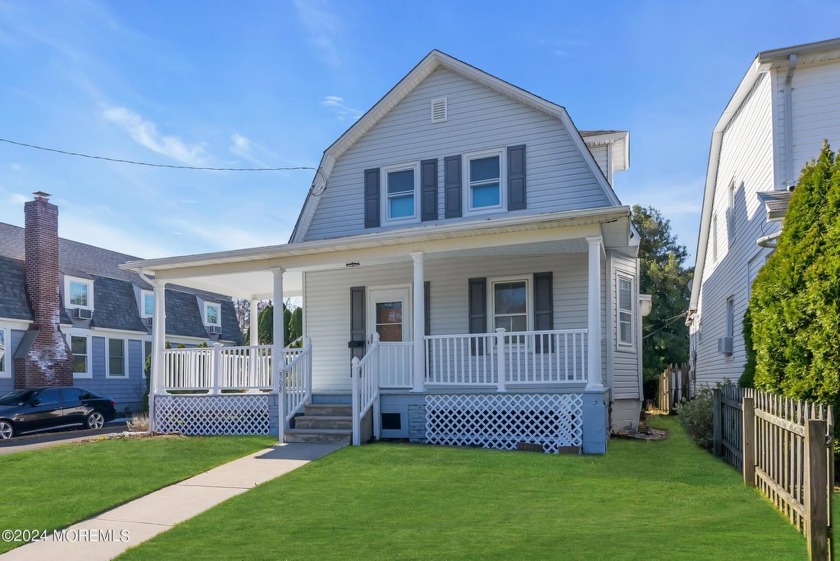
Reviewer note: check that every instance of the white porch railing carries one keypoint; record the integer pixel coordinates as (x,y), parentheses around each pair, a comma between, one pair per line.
(218,368)
(296,391)
(365,374)
(501,358)
(395,364)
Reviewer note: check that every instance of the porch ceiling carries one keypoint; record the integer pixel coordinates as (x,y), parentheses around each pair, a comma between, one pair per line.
(247,273)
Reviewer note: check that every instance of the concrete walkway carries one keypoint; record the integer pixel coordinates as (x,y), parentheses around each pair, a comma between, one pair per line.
(112,532)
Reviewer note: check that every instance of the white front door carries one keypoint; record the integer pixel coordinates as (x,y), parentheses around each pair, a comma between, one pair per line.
(389,314)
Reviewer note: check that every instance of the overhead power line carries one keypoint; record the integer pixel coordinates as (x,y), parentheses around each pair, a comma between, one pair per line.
(149,164)
(668,321)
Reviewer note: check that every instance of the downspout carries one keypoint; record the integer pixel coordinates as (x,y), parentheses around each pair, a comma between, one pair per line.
(789,121)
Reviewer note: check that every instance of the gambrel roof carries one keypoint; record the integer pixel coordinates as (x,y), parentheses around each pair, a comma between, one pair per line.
(434,60)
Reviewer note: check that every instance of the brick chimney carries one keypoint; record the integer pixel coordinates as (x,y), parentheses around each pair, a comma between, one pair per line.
(47,361)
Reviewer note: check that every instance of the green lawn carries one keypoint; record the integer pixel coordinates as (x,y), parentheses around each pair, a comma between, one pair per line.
(55,487)
(643,500)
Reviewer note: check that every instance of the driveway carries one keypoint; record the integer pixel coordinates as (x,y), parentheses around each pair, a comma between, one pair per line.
(44,440)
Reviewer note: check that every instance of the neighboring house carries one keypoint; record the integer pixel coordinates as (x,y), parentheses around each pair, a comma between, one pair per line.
(70,315)
(783,109)
(457,206)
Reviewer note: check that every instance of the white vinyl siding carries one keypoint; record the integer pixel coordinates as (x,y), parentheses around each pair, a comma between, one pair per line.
(601,155)
(558,177)
(327,301)
(746,162)
(815,115)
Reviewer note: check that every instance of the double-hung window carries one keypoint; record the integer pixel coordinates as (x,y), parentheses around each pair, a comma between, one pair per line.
(510,304)
(78,293)
(80,347)
(401,193)
(147,304)
(5,354)
(625,311)
(212,314)
(483,178)
(116,358)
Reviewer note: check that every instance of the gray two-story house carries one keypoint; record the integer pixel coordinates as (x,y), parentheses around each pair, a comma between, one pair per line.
(468,275)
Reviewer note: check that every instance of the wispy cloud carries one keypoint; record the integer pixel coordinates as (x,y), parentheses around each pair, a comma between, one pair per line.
(336,104)
(251,151)
(145,133)
(322,25)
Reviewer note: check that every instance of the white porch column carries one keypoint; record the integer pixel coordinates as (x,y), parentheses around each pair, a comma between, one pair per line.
(277,364)
(419,315)
(156,382)
(594,378)
(254,327)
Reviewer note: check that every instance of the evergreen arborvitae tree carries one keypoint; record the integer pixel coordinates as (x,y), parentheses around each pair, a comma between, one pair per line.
(795,297)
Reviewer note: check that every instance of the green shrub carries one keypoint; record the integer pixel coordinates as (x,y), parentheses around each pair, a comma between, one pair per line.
(794,304)
(747,379)
(696,417)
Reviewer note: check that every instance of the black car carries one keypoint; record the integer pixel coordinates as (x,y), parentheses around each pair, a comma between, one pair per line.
(38,409)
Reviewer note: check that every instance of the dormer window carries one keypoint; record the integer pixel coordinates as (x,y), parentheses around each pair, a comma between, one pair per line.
(78,293)
(212,314)
(147,303)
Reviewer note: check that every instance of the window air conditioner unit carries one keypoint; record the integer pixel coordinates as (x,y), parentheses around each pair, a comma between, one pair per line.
(725,345)
(82,313)
(217,329)
(148,322)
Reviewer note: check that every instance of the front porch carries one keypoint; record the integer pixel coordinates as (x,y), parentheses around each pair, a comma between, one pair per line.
(506,388)
(481,334)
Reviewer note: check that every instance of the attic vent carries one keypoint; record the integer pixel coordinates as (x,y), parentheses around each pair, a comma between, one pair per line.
(439,110)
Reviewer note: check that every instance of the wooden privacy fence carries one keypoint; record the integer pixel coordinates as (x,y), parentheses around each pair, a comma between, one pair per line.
(785,448)
(674,387)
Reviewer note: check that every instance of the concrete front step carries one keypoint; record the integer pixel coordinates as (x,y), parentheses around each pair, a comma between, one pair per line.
(329,410)
(324,422)
(318,435)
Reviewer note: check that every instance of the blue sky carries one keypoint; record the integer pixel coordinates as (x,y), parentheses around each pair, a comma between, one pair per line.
(272,84)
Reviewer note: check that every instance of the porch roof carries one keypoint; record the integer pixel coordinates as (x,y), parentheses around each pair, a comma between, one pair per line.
(246,273)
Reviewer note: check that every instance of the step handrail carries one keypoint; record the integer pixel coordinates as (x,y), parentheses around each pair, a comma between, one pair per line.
(365,374)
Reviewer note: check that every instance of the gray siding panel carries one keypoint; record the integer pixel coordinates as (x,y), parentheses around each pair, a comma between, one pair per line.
(625,360)
(327,305)
(479,119)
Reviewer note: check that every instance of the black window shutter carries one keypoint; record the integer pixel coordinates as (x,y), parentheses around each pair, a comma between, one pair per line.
(358,333)
(516,177)
(427,307)
(452,186)
(372,198)
(478,312)
(429,190)
(543,307)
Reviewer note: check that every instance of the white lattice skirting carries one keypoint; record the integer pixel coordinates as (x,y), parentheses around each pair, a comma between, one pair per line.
(213,414)
(504,420)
